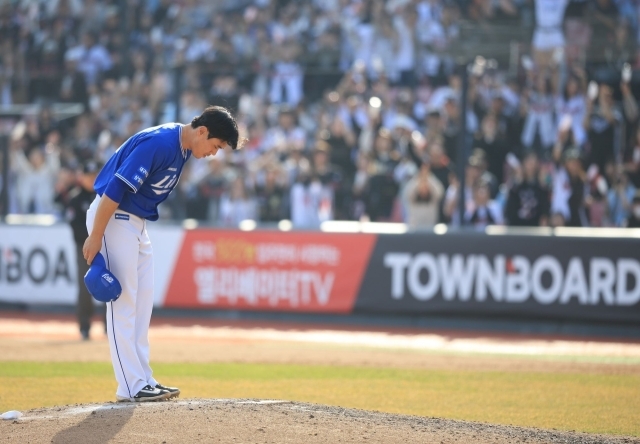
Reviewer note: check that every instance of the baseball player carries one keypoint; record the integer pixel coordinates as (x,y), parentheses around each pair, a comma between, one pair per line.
(133,182)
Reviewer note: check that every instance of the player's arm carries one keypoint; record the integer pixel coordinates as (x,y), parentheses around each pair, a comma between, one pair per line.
(146,158)
(108,205)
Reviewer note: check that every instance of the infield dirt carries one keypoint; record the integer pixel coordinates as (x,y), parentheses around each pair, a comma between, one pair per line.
(46,338)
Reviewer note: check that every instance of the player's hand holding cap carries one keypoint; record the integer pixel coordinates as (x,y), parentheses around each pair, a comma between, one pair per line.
(100,282)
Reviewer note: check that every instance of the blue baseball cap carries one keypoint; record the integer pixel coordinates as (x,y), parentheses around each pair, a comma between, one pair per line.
(100,282)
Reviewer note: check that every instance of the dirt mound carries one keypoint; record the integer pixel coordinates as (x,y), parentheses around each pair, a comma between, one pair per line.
(259,421)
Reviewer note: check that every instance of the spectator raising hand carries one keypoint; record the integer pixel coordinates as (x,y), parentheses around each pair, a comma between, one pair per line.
(37,174)
(423,194)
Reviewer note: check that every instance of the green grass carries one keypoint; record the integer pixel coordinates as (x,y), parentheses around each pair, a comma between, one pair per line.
(570,401)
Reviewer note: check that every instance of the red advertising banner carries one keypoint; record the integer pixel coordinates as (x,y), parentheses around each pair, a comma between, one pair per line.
(264,270)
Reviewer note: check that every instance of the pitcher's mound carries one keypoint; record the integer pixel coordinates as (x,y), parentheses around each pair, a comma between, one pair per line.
(258,421)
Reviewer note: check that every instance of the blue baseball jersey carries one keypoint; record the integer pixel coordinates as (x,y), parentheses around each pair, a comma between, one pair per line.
(149,163)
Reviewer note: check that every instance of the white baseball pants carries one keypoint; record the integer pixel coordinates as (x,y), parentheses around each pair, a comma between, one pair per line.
(127,251)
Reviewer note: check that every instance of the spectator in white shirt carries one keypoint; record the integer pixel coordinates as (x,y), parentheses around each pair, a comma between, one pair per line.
(422,195)
(405,26)
(483,211)
(385,47)
(308,201)
(537,107)
(93,58)
(237,205)
(286,136)
(436,29)
(548,35)
(571,106)
(36,176)
(201,47)
(287,76)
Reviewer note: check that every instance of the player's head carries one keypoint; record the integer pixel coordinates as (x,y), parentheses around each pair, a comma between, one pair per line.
(214,129)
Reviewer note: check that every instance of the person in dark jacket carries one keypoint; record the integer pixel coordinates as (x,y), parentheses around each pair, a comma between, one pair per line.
(528,201)
(80,199)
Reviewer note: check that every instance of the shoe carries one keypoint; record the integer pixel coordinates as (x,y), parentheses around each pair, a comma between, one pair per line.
(147,394)
(85,334)
(174,392)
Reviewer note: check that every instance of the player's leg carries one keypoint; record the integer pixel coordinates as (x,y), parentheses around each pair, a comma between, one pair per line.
(144,305)
(121,247)
(144,309)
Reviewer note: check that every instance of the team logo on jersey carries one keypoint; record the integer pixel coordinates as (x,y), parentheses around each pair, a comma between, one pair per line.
(165,185)
(143,171)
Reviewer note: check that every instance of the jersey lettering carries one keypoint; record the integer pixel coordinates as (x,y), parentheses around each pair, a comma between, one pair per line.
(159,184)
(161,188)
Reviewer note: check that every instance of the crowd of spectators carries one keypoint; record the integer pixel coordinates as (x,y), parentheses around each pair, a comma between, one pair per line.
(351,108)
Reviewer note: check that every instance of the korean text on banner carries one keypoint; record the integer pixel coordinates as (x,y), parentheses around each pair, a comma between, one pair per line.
(307,272)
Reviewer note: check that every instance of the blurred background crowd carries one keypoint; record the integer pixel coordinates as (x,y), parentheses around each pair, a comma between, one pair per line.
(352,109)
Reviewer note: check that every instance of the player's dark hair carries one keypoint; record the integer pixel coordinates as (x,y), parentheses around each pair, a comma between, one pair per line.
(220,124)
